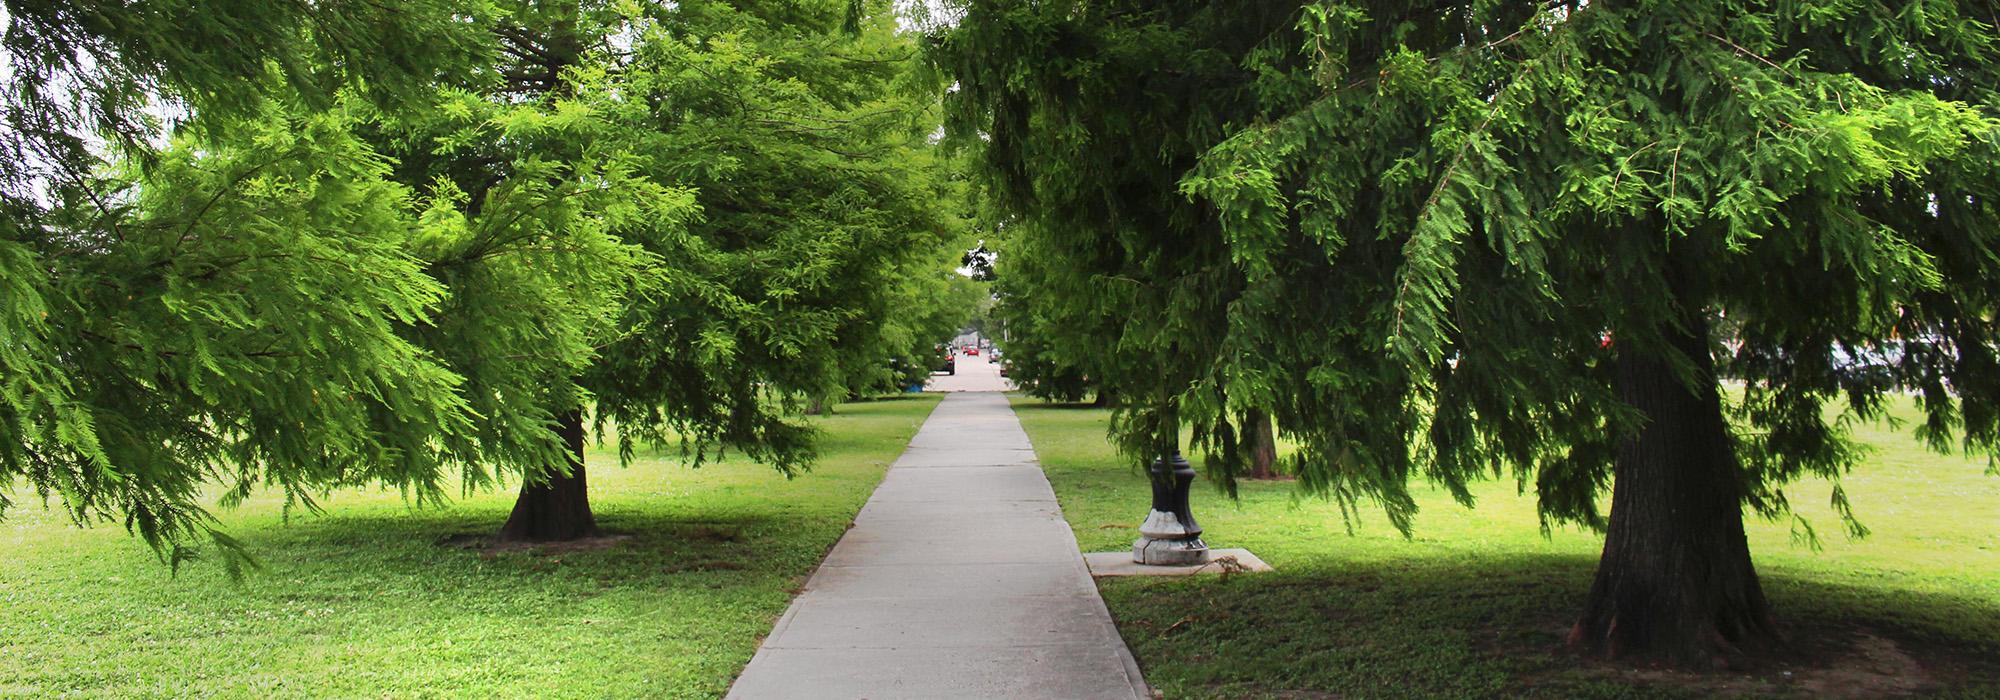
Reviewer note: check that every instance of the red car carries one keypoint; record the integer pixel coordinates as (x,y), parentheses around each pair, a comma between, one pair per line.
(972,351)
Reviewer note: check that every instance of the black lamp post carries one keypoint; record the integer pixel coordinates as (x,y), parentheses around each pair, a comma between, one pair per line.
(1170,536)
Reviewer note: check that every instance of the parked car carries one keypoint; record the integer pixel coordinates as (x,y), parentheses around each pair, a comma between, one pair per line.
(947,361)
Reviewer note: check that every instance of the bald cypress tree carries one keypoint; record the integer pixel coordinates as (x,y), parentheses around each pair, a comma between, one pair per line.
(753,178)
(1056,332)
(204,272)
(1530,223)
(1085,116)
(410,242)
(1473,239)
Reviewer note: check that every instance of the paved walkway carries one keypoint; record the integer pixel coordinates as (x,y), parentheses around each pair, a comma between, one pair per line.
(975,373)
(959,579)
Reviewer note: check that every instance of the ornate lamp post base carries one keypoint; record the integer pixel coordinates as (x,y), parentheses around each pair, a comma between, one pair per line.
(1170,536)
(1155,552)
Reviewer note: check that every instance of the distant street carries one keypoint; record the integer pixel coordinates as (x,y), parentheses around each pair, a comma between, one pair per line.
(974,374)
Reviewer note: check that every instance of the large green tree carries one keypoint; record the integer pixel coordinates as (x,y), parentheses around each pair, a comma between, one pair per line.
(1466,239)
(544,207)
(803,129)
(774,176)
(1055,332)
(1084,117)
(214,297)
(818,177)
(405,244)
(1518,229)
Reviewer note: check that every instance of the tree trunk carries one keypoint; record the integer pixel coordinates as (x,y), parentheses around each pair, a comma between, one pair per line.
(1675,581)
(558,508)
(1260,440)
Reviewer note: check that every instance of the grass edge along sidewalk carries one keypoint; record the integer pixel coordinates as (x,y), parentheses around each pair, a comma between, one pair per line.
(1477,602)
(363,602)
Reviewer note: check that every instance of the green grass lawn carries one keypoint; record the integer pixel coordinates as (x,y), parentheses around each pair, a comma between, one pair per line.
(364,601)
(1478,601)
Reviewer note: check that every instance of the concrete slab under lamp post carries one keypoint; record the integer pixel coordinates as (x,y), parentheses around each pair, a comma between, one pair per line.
(1170,541)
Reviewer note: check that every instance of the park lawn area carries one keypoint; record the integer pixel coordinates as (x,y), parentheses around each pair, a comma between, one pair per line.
(367,600)
(1477,602)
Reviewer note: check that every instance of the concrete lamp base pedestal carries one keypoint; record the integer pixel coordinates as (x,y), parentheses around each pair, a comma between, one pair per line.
(1169,552)
(1164,541)
(1170,536)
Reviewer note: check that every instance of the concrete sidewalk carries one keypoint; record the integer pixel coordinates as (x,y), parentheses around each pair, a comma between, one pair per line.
(975,373)
(959,579)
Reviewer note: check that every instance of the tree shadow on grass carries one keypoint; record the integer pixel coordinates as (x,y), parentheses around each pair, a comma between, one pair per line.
(341,597)
(1046,405)
(1493,625)
(651,550)
(885,398)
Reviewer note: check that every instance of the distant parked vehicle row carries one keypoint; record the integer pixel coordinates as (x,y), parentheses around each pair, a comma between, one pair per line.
(947,361)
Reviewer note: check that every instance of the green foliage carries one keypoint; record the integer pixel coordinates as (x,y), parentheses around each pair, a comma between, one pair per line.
(235,320)
(821,221)
(547,220)
(85,73)
(1053,333)
(928,306)
(248,302)
(1406,228)
(1084,117)
(1497,190)
(210,309)
(392,244)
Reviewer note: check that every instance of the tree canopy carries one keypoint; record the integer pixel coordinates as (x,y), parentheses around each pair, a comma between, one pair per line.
(309,247)
(1581,198)
(212,308)
(1085,116)
(1465,240)
(1660,252)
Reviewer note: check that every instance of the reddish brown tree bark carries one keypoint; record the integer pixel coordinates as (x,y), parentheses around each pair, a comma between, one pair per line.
(1675,581)
(1260,441)
(558,508)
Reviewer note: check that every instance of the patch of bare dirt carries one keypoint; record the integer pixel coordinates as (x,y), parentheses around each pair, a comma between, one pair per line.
(1877,667)
(1857,664)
